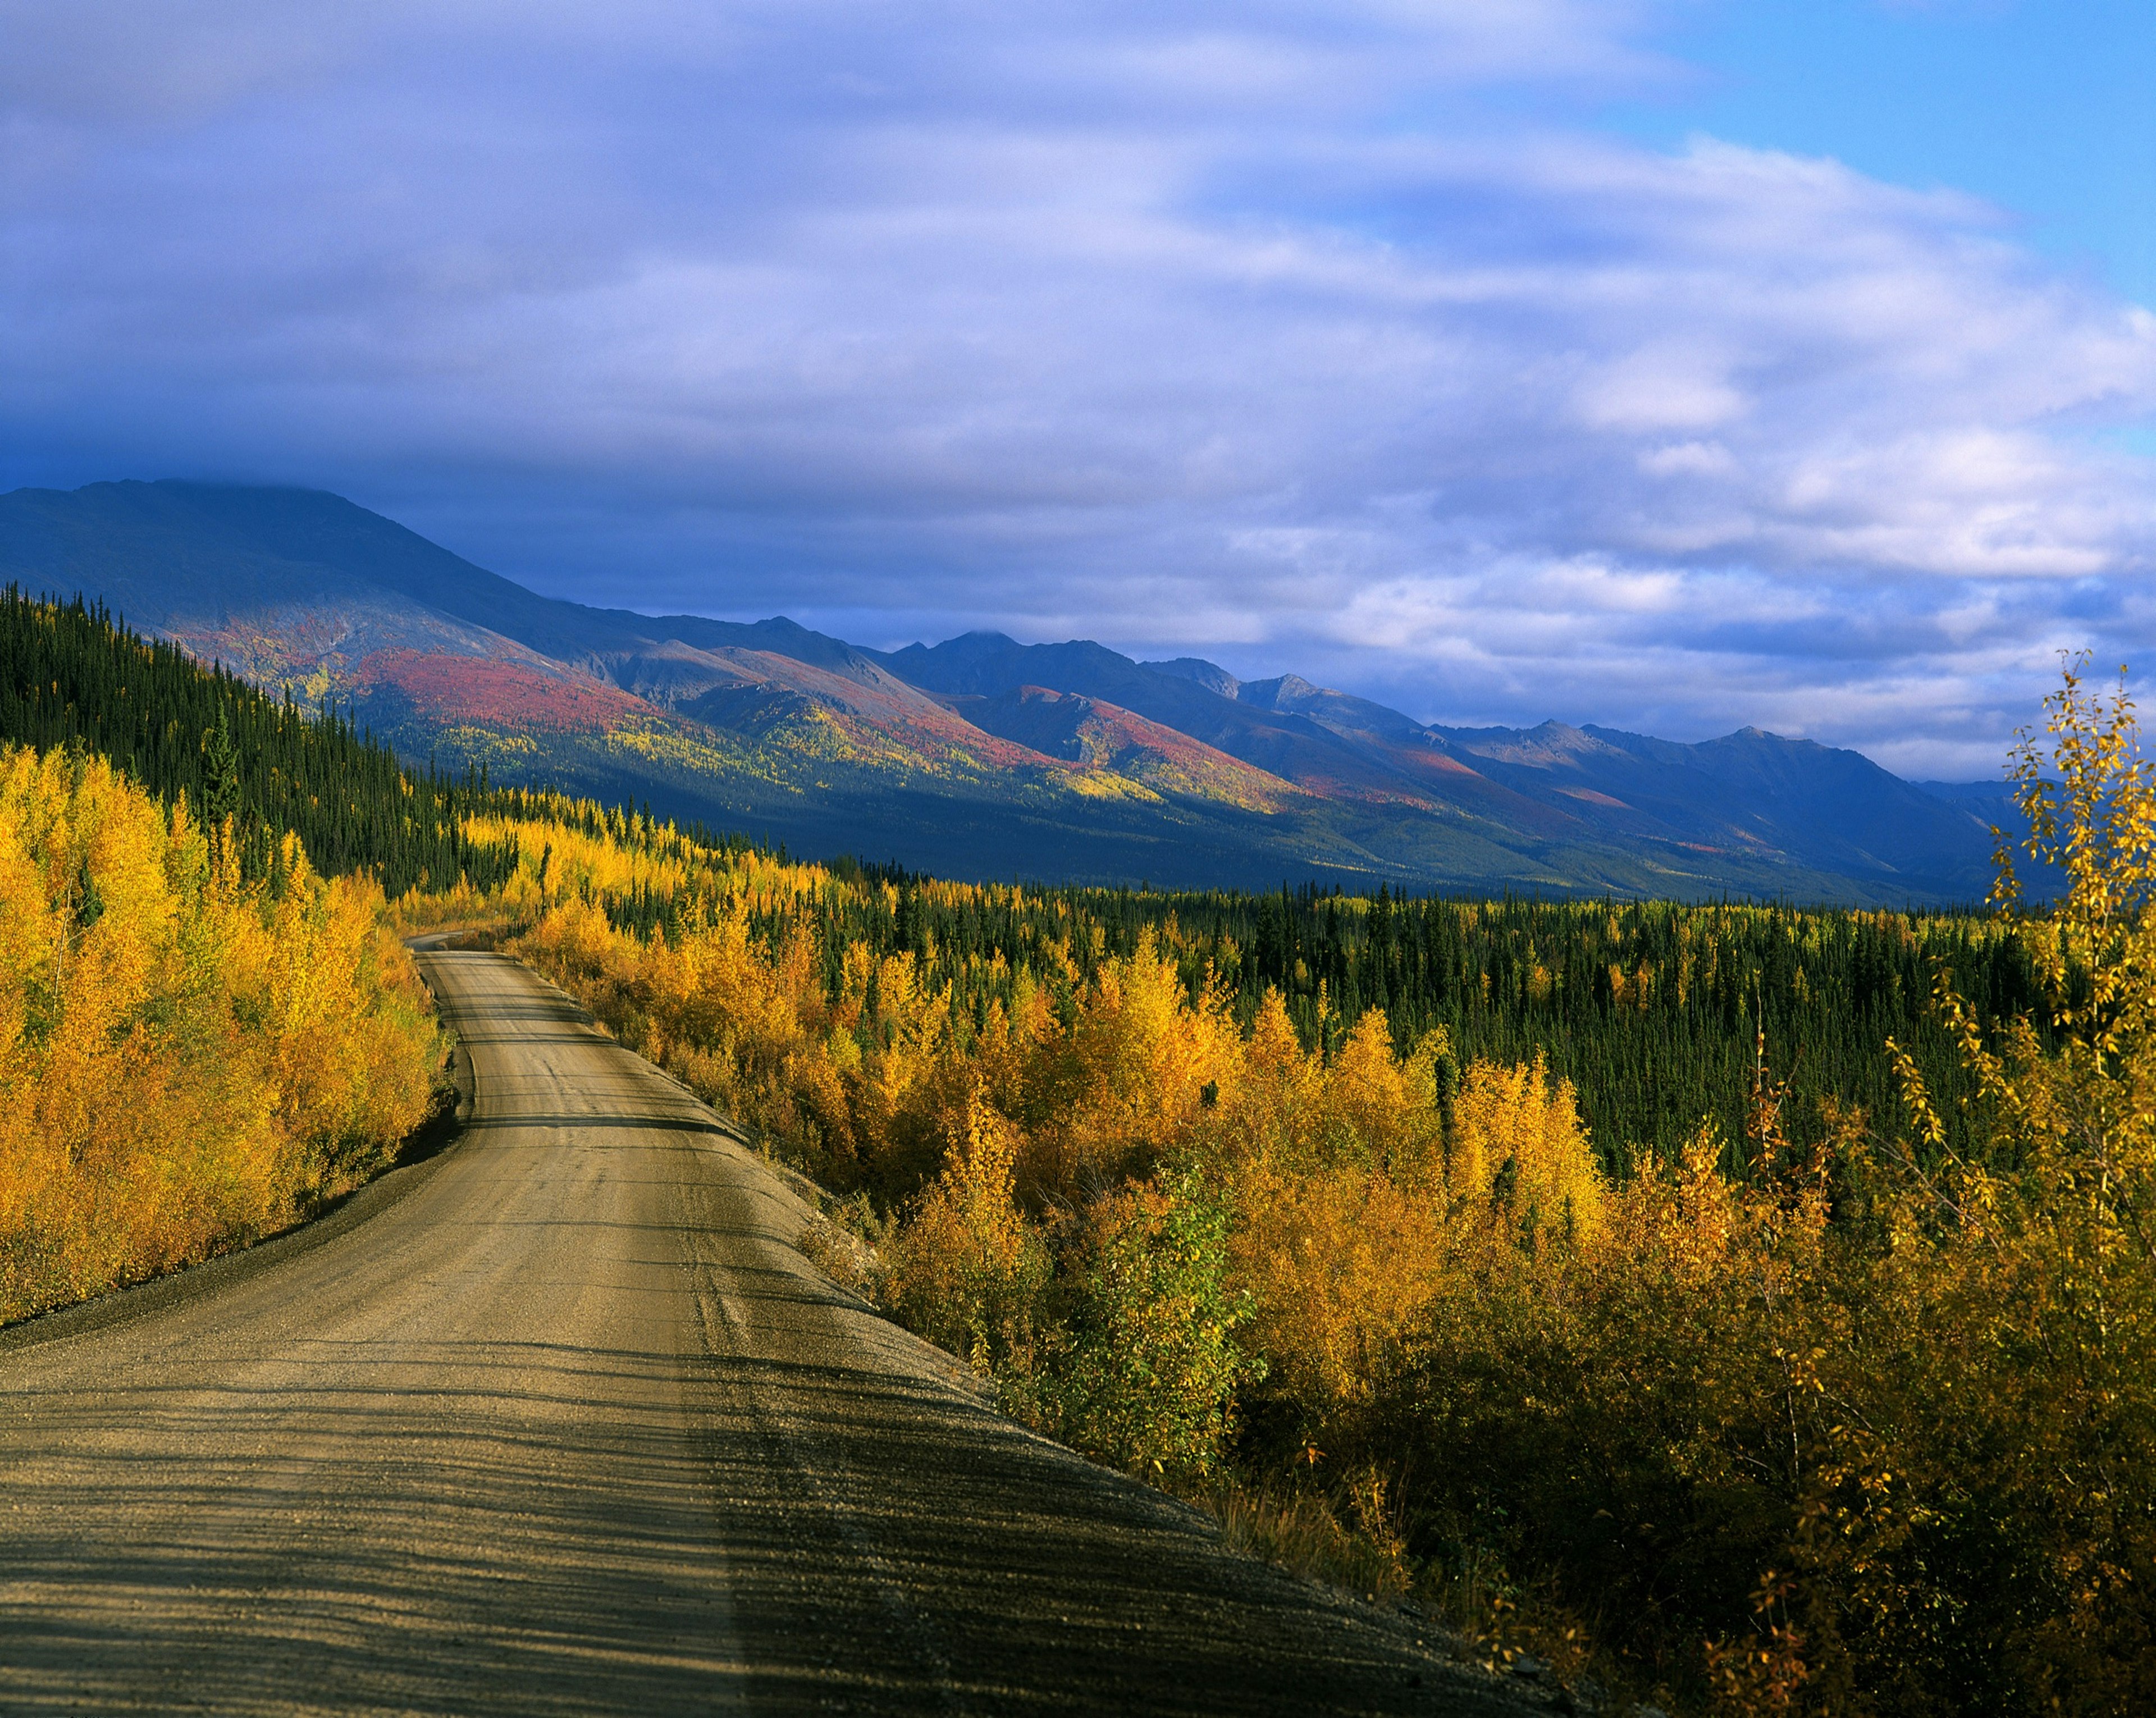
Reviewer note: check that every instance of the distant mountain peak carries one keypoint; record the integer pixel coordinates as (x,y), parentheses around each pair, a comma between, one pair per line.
(1282,692)
(1210,676)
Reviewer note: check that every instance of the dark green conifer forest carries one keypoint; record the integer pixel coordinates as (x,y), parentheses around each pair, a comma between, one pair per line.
(1661,1014)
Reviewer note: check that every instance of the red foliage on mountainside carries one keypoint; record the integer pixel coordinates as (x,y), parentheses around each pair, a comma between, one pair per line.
(473,688)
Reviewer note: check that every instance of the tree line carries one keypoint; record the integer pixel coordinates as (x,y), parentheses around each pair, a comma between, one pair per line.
(1662,1015)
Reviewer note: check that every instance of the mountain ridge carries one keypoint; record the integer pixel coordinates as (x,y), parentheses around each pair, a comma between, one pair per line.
(981,755)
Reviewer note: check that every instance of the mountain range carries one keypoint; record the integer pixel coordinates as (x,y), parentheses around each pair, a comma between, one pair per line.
(980,756)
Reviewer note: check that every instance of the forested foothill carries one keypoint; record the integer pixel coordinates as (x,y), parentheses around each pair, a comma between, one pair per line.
(1741,1308)
(1658,1013)
(72,676)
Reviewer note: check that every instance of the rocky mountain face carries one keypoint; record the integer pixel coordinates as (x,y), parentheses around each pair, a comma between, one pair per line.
(978,756)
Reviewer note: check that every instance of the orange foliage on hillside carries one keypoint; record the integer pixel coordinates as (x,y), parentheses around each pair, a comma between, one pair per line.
(186,1060)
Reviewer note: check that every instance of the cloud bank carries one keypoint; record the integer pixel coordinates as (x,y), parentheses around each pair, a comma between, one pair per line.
(1325,337)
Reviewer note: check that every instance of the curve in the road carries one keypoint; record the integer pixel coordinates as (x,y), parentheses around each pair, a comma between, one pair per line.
(567,1424)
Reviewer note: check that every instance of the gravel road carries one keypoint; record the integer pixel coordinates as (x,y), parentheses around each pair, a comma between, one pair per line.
(559,1420)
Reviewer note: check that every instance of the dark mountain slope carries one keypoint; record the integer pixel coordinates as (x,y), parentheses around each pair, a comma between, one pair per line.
(1209,675)
(203,551)
(1748,790)
(201,556)
(1338,713)
(1833,807)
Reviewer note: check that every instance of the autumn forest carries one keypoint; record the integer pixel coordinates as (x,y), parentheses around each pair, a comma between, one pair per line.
(1745,1307)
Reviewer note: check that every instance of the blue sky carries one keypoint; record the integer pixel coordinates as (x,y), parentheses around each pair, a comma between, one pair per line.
(1675,366)
(2044,110)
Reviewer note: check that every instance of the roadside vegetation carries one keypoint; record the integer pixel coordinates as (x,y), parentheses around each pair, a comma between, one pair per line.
(188,1059)
(1840,1399)
(202,1037)
(1744,1309)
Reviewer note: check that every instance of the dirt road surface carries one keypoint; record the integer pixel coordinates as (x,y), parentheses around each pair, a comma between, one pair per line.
(559,1421)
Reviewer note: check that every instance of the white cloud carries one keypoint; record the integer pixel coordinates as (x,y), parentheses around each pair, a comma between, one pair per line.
(1177,325)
